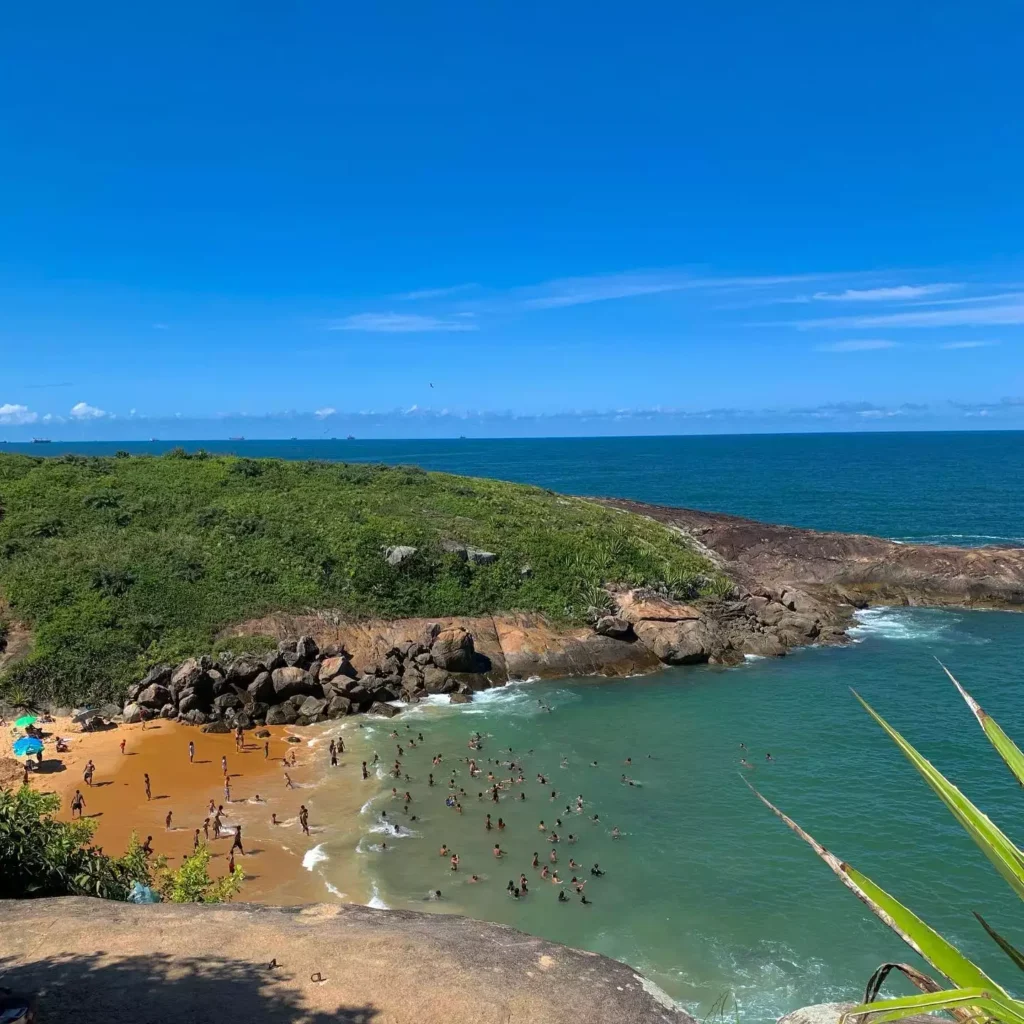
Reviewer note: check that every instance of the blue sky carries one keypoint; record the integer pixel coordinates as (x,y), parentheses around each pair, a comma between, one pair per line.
(443,219)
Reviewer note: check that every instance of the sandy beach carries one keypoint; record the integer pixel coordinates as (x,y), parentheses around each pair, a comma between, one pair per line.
(273,858)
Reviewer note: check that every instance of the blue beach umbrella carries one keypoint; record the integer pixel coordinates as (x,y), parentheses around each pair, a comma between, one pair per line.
(27,745)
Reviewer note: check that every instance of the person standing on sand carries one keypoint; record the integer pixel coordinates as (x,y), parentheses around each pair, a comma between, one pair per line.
(224,764)
(237,842)
(191,751)
(167,821)
(147,846)
(366,774)
(149,792)
(227,788)
(206,829)
(195,842)
(304,818)
(77,801)
(266,749)
(231,863)
(122,746)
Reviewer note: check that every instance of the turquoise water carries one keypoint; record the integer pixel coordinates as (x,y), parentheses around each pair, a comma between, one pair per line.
(706,891)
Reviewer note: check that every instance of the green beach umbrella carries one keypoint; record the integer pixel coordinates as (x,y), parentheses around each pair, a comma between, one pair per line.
(25,721)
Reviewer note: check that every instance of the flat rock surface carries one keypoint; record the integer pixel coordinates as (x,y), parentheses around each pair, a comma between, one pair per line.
(92,961)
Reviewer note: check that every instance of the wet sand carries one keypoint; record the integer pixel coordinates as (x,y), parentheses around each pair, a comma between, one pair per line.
(273,858)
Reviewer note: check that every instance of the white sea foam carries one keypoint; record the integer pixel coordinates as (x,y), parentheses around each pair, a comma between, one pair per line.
(898,624)
(375,901)
(313,857)
(333,890)
(382,828)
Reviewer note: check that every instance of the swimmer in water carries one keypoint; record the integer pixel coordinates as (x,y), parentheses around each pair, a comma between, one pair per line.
(768,757)
(616,834)
(744,763)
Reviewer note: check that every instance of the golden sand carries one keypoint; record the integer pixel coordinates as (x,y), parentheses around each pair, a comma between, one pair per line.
(273,858)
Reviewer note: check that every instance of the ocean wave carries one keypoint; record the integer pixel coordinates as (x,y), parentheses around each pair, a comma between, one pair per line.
(333,890)
(898,624)
(382,828)
(313,857)
(961,540)
(375,901)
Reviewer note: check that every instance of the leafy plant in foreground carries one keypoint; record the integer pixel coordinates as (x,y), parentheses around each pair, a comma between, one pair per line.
(974,996)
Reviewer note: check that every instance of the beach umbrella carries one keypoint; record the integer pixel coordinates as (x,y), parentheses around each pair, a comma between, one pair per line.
(27,745)
(25,721)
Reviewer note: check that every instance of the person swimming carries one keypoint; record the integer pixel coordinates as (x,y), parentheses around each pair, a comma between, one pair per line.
(596,870)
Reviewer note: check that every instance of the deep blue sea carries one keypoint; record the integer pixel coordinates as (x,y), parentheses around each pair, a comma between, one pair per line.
(706,891)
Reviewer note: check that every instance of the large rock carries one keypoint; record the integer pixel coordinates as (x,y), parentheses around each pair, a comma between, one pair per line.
(186,674)
(227,700)
(460,698)
(216,727)
(282,714)
(338,707)
(312,706)
(385,710)
(764,645)
(242,671)
(637,605)
(155,696)
(614,626)
(676,643)
(339,665)
(192,701)
(262,688)
(218,684)
(307,649)
(159,675)
(397,554)
(132,713)
(436,680)
(453,649)
(194,717)
(292,681)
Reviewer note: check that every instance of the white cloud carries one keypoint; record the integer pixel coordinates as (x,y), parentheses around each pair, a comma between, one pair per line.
(17,415)
(435,293)
(322,414)
(83,411)
(975,316)
(968,344)
(858,345)
(398,323)
(897,293)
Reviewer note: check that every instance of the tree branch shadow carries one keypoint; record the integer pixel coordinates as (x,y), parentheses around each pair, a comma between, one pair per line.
(155,988)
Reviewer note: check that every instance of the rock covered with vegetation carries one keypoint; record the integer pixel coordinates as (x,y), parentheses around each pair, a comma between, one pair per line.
(117,565)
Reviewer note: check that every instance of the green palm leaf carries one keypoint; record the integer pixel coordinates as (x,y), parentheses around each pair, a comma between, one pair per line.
(921,937)
(994,843)
(999,1005)
(1008,750)
(1011,951)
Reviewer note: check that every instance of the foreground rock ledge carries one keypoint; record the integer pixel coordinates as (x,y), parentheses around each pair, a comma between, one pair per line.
(93,960)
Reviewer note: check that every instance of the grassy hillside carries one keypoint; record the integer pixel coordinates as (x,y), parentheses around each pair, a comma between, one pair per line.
(118,563)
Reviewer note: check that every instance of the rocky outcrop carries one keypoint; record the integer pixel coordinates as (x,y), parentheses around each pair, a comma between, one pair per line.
(837,568)
(318,963)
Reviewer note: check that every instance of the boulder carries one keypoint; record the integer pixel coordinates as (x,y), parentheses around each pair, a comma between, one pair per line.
(159,675)
(772,613)
(479,557)
(332,651)
(242,721)
(155,696)
(688,642)
(242,671)
(338,707)
(257,711)
(192,701)
(385,693)
(804,626)
(227,700)
(216,727)
(307,649)
(282,714)
(218,684)
(338,665)
(290,659)
(186,674)
(263,734)
(460,698)
(386,710)
(194,717)
(764,645)
(614,626)
(423,658)
(756,604)
(132,713)
(293,739)
(391,666)
(288,682)
(453,649)
(312,706)
(287,646)
(436,680)
(262,688)
(398,553)
(168,711)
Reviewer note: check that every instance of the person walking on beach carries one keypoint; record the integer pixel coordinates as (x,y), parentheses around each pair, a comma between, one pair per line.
(88,773)
(266,749)
(224,764)
(77,801)
(304,818)
(227,788)
(122,746)
(206,829)
(167,821)
(149,792)
(237,842)
(195,842)
(366,774)
(334,755)
(191,751)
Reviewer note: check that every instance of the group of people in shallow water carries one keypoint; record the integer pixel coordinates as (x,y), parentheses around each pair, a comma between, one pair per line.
(503,777)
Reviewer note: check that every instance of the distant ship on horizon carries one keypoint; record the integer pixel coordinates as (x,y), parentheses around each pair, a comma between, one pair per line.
(351,437)
(41,440)
(236,438)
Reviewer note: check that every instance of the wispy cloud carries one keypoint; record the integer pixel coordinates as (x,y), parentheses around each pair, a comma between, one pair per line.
(322,414)
(435,293)
(858,345)
(400,323)
(84,411)
(960,316)
(896,293)
(968,344)
(17,415)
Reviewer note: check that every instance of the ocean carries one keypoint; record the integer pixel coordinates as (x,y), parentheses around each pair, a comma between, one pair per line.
(705,891)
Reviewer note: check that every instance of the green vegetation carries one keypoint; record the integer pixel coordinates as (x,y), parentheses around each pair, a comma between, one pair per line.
(971,995)
(120,563)
(41,856)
